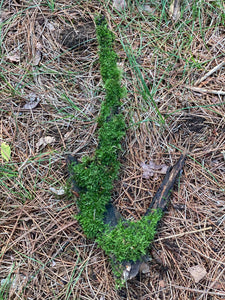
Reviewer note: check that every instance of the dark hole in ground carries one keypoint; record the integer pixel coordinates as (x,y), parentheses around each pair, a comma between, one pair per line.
(79,36)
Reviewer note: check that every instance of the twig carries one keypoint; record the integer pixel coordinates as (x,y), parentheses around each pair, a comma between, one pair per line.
(197,291)
(159,201)
(202,254)
(210,72)
(161,198)
(182,234)
(201,90)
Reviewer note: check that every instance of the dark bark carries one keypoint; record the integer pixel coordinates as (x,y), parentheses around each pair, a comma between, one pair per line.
(160,200)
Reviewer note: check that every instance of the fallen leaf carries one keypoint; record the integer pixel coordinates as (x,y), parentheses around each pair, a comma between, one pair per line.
(148,8)
(197,272)
(174,10)
(5,151)
(32,102)
(50,26)
(150,169)
(144,268)
(15,58)
(38,55)
(162,284)
(119,4)
(45,141)
(59,192)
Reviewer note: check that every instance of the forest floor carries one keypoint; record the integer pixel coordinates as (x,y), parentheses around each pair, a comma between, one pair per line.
(173,67)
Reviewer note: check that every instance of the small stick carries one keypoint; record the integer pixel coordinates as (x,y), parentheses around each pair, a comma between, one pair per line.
(197,290)
(201,90)
(210,72)
(161,198)
(182,234)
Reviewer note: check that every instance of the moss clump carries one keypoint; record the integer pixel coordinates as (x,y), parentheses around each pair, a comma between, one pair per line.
(129,240)
(95,175)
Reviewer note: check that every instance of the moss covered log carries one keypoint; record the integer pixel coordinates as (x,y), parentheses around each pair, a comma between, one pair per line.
(124,241)
(95,175)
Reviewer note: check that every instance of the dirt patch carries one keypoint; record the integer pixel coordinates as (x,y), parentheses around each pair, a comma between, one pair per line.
(194,123)
(79,36)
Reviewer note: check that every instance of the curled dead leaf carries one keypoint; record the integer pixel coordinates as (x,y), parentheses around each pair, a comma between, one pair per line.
(119,4)
(15,58)
(38,55)
(59,192)
(151,168)
(32,102)
(45,141)
(197,272)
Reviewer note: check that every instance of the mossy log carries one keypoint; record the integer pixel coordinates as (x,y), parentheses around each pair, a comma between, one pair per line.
(126,242)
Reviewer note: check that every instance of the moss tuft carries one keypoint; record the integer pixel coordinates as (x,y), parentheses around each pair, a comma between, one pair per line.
(128,241)
(95,175)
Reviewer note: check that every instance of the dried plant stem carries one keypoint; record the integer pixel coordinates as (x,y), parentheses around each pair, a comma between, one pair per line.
(216,68)
(198,291)
(182,234)
(207,91)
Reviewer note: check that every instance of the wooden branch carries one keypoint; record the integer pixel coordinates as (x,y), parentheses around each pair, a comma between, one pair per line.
(216,68)
(160,200)
(202,90)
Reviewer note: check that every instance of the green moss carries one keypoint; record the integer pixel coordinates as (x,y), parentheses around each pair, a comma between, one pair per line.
(95,175)
(130,240)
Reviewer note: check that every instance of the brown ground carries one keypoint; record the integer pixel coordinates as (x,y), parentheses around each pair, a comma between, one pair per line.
(51,55)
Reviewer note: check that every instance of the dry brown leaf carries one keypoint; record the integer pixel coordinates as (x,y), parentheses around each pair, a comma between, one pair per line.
(148,8)
(59,192)
(38,55)
(45,141)
(15,58)
(150,169)
(162,284)
(197,272)
(119,4)
(37,58)
(32,102)
(174,10)
(51,26)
